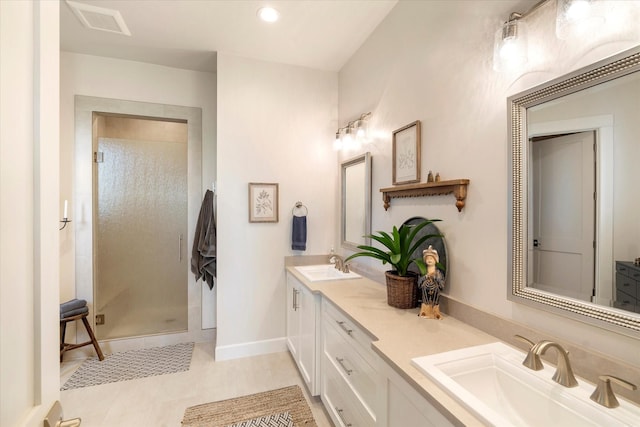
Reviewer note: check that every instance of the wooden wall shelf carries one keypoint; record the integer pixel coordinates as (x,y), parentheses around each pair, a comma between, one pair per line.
(456,186)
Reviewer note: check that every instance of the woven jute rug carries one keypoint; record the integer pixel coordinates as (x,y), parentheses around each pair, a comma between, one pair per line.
(129,365)
(260,405)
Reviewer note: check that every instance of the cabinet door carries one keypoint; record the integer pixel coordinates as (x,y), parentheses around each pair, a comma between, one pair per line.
(404,406)
(307,361)
(293,317)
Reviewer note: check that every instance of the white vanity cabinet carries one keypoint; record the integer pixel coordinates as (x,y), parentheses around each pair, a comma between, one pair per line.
(303,331)
(350,383)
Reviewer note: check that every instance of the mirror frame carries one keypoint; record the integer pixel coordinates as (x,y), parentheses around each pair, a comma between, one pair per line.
(603,71)
(366,159)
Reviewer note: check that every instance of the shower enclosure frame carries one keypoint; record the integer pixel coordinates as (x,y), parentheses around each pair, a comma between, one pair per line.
(83,213)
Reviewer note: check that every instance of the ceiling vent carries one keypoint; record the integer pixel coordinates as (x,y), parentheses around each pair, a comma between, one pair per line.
(99,18)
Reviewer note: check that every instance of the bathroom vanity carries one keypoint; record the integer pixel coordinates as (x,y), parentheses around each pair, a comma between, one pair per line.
(627,286)
(359,351)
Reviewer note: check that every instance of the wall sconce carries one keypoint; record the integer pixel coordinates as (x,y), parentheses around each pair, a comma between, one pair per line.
(510,49)
(576,18)
(353,135)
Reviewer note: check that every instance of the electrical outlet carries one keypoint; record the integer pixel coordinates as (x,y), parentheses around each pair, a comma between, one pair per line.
(99,319)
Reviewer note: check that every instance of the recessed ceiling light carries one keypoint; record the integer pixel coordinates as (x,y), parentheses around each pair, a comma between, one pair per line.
(268,14)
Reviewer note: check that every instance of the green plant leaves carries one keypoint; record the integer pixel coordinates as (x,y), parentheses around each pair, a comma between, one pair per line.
(400,244)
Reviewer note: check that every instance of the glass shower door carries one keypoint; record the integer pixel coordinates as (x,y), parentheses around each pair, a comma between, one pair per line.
(140,265)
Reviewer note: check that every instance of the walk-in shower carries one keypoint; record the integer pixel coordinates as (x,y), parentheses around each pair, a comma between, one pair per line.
(139,225)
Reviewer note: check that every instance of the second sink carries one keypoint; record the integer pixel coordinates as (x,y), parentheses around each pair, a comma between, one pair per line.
(315,273)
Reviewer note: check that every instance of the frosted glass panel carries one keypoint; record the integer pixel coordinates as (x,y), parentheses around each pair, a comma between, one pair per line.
(141,261)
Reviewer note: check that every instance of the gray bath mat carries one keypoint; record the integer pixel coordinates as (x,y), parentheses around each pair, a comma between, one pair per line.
(132,364)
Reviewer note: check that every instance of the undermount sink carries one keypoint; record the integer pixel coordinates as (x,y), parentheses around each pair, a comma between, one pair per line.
(491,382)
(316,273)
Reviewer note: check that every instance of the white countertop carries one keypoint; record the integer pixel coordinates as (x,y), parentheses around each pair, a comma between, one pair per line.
(400,335)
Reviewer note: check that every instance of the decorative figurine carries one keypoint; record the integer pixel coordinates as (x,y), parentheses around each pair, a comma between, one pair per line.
(430,177)
(437,176)
(432,284)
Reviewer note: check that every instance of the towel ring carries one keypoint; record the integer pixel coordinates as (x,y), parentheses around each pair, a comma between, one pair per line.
(299,205)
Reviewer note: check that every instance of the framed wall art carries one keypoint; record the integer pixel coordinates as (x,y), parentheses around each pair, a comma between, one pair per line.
(263,202)
(406,154)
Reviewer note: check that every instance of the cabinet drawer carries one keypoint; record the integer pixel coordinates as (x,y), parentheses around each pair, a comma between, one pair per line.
(628,270)
(625,301)
(351,332)
(626,306)
(359,374)
(627,285)
(339,400)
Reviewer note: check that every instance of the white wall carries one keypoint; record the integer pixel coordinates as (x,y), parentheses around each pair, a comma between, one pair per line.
(275,124)
(29,211)
(432,61)
(135,81)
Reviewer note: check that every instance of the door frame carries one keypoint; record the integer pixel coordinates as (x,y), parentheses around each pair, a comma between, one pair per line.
(603,126)
(85,106)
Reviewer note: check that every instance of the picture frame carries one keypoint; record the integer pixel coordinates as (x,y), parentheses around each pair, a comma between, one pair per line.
(263,202)
(406,154)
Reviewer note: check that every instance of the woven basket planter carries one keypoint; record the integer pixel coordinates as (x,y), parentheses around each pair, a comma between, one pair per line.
(402,291)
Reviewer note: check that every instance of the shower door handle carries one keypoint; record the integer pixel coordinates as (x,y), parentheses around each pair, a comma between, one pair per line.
(180,248)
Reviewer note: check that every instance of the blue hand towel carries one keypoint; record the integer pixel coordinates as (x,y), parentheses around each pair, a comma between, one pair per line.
(299,233)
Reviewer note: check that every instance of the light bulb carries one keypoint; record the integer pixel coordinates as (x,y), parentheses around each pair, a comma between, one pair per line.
(268,14)
(510,50)
(337,143)
(577,19)
(578,9)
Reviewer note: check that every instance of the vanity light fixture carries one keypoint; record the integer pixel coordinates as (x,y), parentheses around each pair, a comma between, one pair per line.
(576,18)
(354,134)
(268,14)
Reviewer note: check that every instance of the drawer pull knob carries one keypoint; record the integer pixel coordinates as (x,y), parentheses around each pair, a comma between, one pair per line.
(341,362)
(340,411)
(344,328)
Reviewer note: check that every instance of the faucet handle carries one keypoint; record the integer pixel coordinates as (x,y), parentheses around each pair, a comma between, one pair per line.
(603,394)
(526,340)
(532,361)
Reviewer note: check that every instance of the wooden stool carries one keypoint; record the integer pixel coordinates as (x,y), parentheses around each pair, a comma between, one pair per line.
(63,329)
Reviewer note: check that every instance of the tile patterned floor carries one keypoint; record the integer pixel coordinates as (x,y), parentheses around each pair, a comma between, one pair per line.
(160,401)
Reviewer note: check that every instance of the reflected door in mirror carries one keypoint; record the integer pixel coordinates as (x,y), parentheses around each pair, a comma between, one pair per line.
(563,177)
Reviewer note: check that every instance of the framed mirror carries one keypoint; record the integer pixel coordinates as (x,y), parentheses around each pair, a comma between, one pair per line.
(573,231)
(356,201)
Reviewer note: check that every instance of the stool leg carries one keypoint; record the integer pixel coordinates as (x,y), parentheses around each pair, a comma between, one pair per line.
(93,338)
(63,331)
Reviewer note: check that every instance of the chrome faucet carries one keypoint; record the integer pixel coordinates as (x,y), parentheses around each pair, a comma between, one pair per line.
(339,263)
(564,374)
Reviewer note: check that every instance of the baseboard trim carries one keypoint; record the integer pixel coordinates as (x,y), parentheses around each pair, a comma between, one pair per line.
(255,348)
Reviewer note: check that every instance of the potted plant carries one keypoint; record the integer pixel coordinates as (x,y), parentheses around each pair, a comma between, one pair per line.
(402,286)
